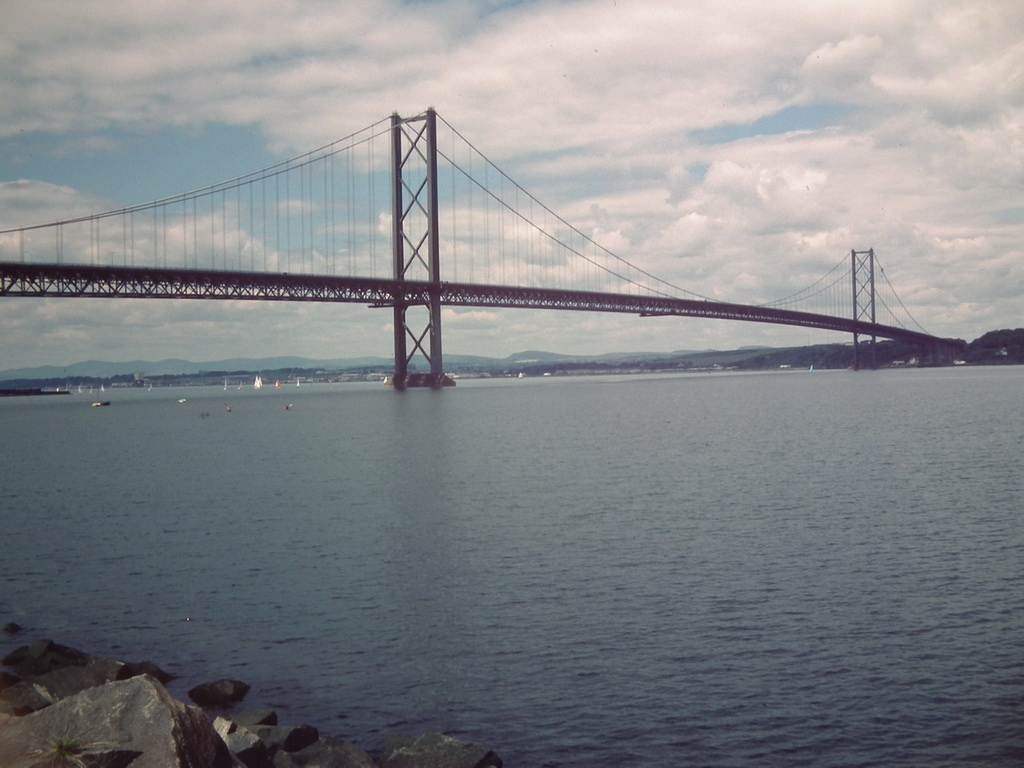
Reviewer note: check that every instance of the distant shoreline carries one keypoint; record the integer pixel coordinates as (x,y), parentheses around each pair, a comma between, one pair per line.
(1002,347)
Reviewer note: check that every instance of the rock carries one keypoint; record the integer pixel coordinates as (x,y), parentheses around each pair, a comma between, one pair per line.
(113,758)
(221,693)
(12,628)
(133,668)
(43,656)
(435,750)
(58,667)
(7,680)
(249,748)
(23,698)
(327,752)
(256,717)
(223,726)
(52,672)
(100,725)
(286,737)
(67,681)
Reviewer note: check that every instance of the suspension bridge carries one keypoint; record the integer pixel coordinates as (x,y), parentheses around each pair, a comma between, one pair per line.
(407,215)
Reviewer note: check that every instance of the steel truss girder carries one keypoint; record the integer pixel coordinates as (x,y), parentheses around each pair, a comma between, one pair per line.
(156,283)
(40,280)
(454,294)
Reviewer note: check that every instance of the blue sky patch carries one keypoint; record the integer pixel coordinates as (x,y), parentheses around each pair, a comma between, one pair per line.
(131,168)
(809,118)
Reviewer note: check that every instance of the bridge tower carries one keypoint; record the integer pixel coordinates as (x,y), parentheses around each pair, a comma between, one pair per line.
(415,246)
(862,270)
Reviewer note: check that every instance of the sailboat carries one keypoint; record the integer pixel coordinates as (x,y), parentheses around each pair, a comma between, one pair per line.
(258,383)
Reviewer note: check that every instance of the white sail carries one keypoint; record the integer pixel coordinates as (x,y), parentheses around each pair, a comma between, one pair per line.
(258,383)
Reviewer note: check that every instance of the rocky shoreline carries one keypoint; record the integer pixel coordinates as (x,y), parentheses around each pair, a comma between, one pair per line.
(63,708)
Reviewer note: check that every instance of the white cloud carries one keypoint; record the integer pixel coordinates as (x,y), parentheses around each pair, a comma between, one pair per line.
(843,66)
(598,108)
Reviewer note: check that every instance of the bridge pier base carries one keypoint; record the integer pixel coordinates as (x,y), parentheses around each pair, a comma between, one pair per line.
(872,359)
(944,352)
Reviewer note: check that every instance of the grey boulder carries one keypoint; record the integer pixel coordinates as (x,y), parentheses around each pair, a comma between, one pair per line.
(435,750)
(134,720)
(222,693)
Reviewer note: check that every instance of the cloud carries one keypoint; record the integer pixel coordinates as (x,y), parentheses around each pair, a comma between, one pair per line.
(843,66)
(736,150)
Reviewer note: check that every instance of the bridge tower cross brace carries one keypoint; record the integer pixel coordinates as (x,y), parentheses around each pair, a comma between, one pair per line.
(862,270)
(415,243)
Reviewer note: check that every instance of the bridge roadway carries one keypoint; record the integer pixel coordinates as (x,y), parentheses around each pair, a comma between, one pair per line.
(73,280)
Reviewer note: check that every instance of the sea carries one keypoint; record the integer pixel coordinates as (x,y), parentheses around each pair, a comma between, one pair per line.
(710,569)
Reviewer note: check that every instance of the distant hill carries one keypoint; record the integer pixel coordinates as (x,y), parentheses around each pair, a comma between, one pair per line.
(994,348)
(1003,347)
(102,369)
(98,369)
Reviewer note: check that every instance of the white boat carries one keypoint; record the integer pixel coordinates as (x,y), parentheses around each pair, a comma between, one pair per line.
(258,383)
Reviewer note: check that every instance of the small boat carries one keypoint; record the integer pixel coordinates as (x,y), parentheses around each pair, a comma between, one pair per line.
(258,382)
(101,404)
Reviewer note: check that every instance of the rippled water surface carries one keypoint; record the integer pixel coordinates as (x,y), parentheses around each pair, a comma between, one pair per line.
(706,570)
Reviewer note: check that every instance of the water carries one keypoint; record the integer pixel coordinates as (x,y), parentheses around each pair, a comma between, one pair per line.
(700,570)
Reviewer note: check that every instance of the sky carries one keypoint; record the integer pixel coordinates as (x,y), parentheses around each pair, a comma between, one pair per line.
(737,149)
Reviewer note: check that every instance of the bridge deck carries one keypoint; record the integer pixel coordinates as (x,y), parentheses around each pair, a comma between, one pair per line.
(17,279)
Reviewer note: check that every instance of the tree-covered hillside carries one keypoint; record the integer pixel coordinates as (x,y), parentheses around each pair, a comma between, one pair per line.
(1005,347)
